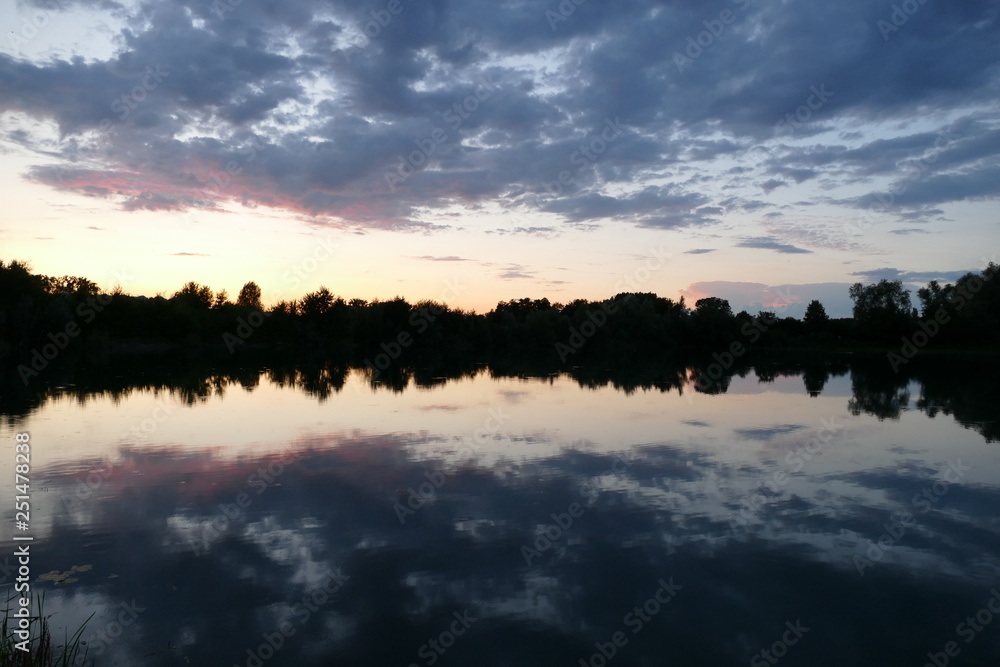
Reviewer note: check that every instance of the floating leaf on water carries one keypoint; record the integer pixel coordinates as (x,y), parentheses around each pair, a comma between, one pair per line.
(60,578)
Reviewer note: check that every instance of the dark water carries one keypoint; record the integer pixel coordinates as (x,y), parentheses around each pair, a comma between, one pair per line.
(827,513)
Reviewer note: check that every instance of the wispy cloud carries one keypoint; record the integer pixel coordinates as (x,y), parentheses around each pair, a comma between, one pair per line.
(888,273)
(450,258)
(515,272)
(771,243)
(907,232)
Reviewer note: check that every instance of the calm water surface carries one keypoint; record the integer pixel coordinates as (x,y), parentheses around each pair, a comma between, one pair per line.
(848,518)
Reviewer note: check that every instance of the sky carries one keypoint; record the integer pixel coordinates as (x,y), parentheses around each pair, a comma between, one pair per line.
(471,152)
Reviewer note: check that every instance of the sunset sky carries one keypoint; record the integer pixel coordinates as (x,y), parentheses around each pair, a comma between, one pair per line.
(768,152)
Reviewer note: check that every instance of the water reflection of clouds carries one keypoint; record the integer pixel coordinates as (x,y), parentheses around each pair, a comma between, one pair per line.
(665,513)
(668,513)
(767,434)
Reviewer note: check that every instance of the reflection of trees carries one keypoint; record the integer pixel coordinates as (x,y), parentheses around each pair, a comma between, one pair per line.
(817,372)
(815,378)
(319,379)
(971,398)
(666,376)
(701,378)
(878,390)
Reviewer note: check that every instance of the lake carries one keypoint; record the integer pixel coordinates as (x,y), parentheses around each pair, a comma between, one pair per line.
(812,512)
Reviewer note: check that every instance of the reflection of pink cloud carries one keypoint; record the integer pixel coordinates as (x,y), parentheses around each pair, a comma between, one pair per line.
(207,474)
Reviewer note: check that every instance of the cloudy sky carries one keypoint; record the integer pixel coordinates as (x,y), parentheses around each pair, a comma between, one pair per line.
(769,152)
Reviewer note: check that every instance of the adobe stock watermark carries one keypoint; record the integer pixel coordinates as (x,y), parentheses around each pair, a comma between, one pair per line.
(566,8)
(60,340)
(886,200)
(245,327)
(598,317)
(258,481)
(326,248)
(29,28)
(87,486)
(896,528)
(455,116)
(753,330)
(223,179)
(301,612)
(125,104)
(968,630)
(222,7)
(433,649)
(421,320)
(99,641)
(636,620)
(899,17)
(426,492)
(548,535)
(588,153)
(704,40)
(372,26)
(779,649)
(795,460)
(814,102)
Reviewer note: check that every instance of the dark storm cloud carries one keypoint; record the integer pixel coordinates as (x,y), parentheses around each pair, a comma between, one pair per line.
(373,119)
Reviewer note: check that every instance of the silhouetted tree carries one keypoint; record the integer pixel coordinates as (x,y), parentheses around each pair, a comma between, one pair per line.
(316,303)
(284,308)
(883,310)
(195,295)
(70,284)
(250,296)
(886,297)
(221,300)
(626,327)
(933,297)
(714,306)
(714,323)
(816,317)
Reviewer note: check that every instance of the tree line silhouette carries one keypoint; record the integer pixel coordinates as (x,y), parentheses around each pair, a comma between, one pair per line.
(42,316)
